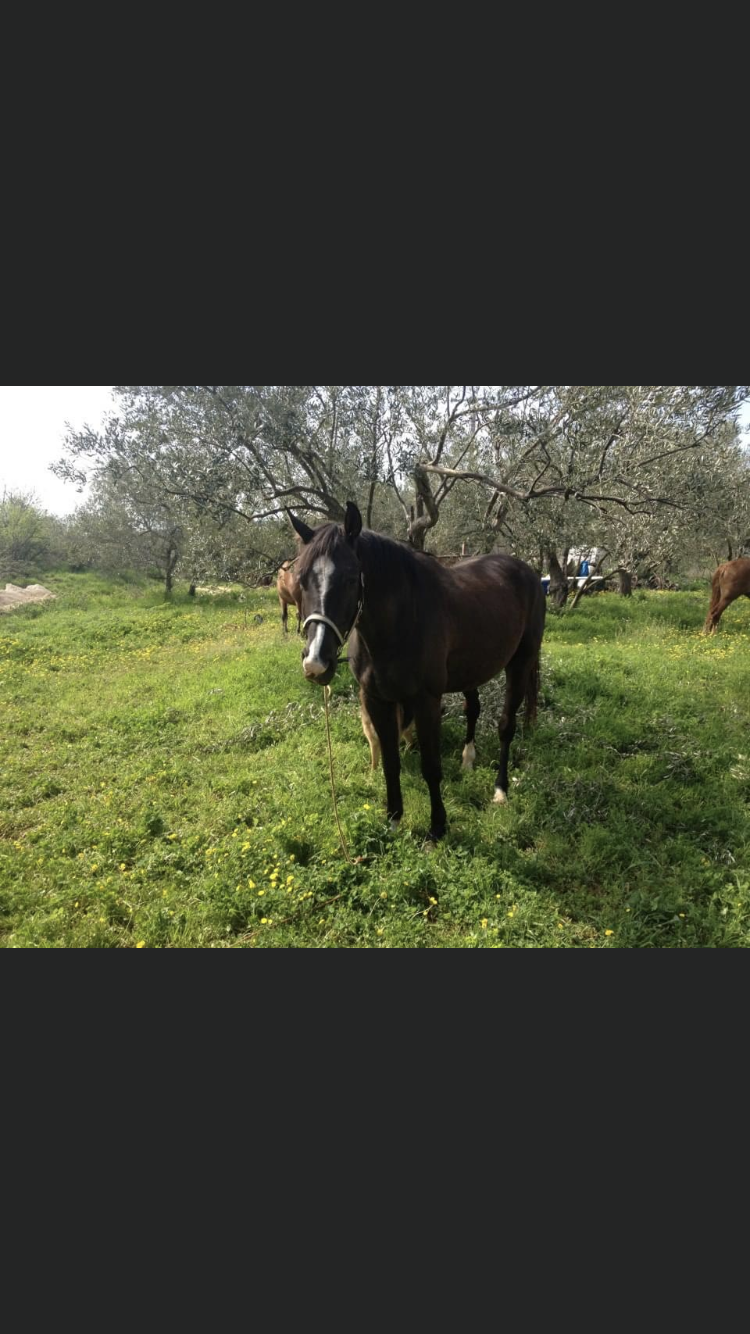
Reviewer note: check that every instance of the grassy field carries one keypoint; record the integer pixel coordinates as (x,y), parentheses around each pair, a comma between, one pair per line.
(164,782)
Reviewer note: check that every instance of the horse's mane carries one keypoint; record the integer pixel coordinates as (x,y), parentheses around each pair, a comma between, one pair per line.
(381,555)
(392,559)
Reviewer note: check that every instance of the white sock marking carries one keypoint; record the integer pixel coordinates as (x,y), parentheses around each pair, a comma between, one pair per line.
(469,756)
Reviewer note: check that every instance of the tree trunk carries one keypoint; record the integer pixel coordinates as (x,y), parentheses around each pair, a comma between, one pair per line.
(584,587)
(173,557)
(558,584)
(191,590)
(626,583)
(426,513)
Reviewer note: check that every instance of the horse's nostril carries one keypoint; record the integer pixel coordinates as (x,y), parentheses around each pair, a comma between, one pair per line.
(314,669)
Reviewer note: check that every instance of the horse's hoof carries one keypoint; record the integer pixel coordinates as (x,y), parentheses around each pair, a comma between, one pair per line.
(500,798)
(469,756)
(393,823)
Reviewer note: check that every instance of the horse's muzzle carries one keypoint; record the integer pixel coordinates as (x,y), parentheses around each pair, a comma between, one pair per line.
(313,673)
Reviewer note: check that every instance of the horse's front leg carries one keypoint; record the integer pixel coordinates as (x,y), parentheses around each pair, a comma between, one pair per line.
(427,716)
(384,718)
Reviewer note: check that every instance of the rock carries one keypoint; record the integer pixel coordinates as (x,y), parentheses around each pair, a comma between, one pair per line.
(13,596)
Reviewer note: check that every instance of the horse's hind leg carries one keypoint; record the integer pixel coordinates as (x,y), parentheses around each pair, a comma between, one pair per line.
(516,682)
(471,709)
(715,614)
(283,606)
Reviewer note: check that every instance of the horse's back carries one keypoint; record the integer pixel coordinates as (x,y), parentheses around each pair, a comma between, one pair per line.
(496,581)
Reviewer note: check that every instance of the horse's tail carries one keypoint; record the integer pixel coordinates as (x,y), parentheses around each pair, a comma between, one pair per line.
(715,596)
(531,697)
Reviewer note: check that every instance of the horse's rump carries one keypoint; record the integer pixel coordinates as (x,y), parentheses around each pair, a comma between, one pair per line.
(730,580)
(496,608)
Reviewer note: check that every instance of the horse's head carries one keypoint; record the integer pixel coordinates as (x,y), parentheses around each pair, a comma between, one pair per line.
(331,581)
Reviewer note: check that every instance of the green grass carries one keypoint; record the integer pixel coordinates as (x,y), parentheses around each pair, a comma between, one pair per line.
(164,782)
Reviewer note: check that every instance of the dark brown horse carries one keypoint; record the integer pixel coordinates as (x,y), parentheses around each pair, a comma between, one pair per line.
(419,630)
(730,581)
(290,593)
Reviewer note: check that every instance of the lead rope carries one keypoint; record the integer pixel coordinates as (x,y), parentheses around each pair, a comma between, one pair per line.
(344,846)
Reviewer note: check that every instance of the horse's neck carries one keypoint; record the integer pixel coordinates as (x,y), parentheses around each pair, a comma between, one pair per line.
(382,606)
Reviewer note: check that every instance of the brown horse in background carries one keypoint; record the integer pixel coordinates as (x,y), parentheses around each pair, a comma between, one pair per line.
(730,581)
(290,593)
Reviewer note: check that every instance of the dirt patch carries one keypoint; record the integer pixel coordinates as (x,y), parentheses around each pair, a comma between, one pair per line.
(13,596)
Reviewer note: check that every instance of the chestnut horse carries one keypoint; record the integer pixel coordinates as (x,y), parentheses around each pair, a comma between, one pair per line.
(290,593)
(418,631)
(730,581)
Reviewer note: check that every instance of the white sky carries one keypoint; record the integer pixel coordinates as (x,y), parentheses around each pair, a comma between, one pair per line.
(32,426)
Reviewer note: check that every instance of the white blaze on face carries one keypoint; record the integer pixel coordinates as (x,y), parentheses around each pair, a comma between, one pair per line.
(321,575)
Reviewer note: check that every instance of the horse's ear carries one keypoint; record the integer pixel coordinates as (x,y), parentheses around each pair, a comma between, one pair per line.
(352,522)
(301,529)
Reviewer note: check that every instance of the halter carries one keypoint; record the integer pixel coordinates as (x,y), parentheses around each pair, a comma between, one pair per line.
(325,620)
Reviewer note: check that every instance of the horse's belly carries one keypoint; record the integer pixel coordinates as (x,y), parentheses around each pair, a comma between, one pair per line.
(468,670)
(470,678)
